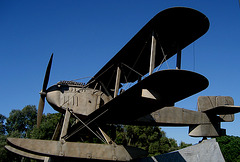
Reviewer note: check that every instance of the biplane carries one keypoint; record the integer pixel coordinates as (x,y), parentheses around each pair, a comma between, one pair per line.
(150,101)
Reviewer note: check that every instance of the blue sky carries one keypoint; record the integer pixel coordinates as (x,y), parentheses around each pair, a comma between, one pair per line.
(84,35)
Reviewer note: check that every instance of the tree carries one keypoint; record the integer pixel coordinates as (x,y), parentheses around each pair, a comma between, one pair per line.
(230,147)
(47,127)
(149,138)
(21,122)
(3,152)
(183,145)
(2,126)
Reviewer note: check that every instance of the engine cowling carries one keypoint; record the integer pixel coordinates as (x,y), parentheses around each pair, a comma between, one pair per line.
(82,100)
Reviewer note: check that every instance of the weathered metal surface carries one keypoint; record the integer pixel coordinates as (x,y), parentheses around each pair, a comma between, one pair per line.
(208,102)
(202,123)
(82,101)
(153,54)
(65,124)
(220,105)
(77,150)
(24,154)
(205,130)
(174,116)
(117,83)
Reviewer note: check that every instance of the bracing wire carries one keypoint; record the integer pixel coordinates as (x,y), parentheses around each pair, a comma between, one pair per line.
(164,55)
(85,125)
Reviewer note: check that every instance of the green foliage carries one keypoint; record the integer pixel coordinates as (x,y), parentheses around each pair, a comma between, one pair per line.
(20,122)
(230,147)
(183,145)
(2,126)
(3,152)
(149,138)
(121,137)
(47,127)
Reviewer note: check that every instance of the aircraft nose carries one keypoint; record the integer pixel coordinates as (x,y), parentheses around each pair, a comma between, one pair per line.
(53,96)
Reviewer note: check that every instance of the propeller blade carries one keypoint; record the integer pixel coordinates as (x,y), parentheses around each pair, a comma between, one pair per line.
(40,110)
(43,93)
(46,78)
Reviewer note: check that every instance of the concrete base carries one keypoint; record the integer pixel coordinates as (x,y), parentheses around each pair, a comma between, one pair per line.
(208,150)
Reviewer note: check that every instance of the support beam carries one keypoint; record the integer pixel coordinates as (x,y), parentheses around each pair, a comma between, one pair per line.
(106,137)
(65,123)
(106,90)
(178,65)
(47,159)
(58,129)
(153,54)
(117,83)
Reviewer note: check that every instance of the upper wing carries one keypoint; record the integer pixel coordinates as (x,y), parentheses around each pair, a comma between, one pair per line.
(174,29)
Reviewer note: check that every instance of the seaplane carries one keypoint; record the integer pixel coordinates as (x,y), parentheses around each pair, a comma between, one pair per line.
(102,101)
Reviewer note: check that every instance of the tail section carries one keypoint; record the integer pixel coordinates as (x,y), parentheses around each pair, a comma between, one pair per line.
(218,109)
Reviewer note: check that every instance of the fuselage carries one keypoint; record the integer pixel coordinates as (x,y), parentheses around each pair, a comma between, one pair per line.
(75,96)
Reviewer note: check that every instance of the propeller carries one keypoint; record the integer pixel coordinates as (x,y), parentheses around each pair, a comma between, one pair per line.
(43,93)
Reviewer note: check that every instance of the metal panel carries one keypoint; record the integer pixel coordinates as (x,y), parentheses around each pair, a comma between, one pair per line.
(77,149)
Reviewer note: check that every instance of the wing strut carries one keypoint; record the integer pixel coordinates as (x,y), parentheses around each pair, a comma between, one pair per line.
(117,83)
(153,53)
(179,53)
